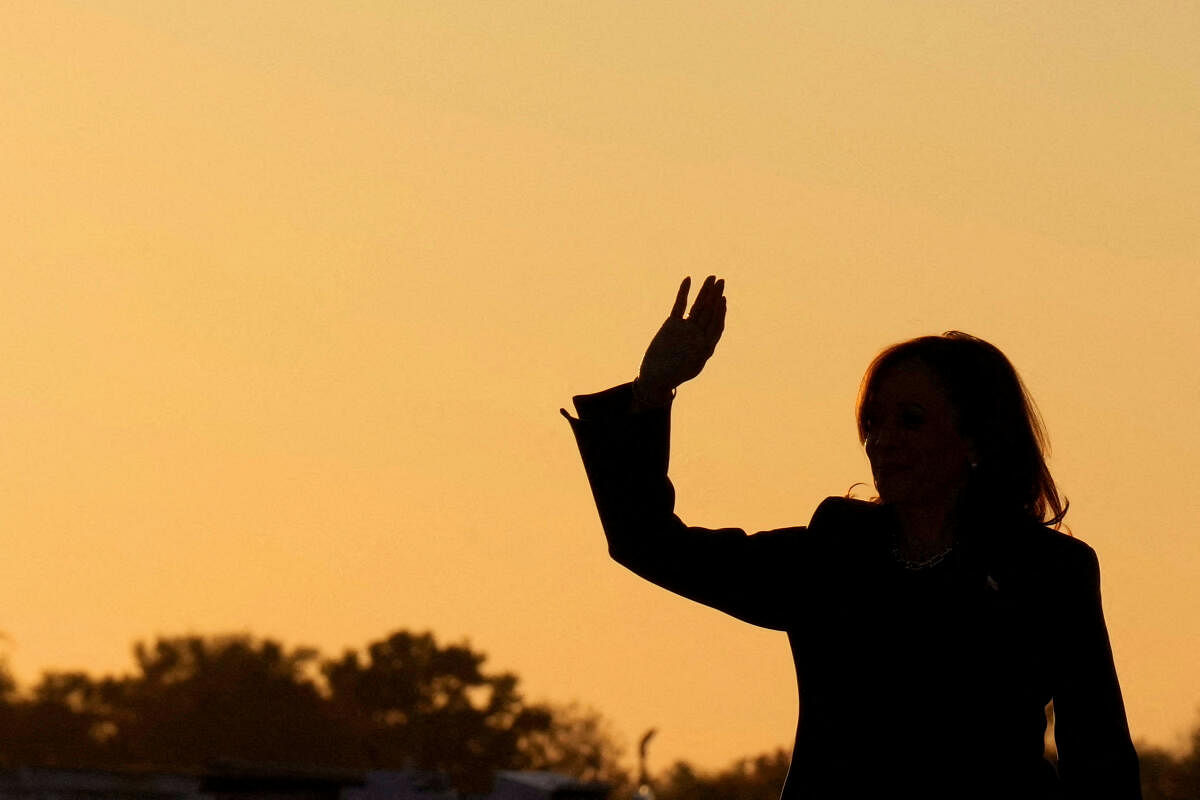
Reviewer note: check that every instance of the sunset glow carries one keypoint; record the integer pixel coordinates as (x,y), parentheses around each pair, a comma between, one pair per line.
(293,293)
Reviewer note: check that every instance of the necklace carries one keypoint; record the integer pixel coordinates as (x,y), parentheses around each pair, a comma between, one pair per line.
(909,564)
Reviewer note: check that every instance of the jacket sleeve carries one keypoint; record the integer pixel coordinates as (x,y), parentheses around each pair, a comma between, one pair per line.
(626,454)
(1096,757)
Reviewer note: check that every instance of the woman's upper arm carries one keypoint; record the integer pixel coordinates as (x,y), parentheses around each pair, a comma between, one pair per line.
(1096,754)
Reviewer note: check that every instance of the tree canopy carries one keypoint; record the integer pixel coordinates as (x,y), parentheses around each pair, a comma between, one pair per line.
(405,701)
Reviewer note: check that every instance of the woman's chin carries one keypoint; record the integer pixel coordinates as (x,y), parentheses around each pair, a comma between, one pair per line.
(892,491)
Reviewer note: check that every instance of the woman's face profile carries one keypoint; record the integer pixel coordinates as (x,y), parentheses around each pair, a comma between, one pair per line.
(918,457)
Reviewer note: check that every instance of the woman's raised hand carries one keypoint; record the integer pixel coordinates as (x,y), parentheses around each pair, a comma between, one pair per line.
(682,345)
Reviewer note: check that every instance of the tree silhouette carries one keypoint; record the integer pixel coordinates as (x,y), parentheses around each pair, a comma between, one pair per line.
(1165,776)
(757,778)
(196,700)
(413,703)
(1169,777)
(578,742)
(405,701)
(8,686)
(56,725)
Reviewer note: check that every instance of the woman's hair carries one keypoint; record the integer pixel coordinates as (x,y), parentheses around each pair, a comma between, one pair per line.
(994,412)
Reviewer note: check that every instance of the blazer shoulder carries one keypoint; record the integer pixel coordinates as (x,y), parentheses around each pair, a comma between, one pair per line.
(1059,557)
(845,514)
(1062,547)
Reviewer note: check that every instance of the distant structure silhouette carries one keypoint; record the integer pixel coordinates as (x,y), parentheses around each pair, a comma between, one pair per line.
(645,790)
(930,627)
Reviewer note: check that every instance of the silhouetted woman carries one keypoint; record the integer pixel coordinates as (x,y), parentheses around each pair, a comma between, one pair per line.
(930,628)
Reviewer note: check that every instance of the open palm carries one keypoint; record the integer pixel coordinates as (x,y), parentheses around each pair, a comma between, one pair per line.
(683,345)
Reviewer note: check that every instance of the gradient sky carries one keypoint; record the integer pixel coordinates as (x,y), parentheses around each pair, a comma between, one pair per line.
(291,294)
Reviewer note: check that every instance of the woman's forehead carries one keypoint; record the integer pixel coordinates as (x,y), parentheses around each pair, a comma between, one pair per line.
(908,381)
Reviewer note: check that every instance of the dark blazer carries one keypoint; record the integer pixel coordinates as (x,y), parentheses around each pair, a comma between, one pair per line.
(929,683)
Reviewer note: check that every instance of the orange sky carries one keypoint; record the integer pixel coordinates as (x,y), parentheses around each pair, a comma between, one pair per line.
(292,293)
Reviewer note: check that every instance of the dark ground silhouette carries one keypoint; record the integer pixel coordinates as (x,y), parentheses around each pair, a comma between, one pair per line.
(405,701)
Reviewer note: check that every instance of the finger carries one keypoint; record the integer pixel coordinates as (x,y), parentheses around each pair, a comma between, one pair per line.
(713,317)
(715,296)
(706,303)
(698,306)
(681,298)
(717,327)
